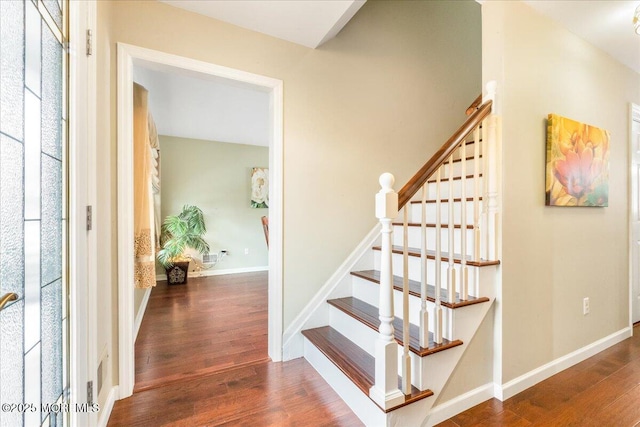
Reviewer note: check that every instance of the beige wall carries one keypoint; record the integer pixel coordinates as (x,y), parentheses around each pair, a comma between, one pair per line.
(554,257)
(216,177)
(381,96)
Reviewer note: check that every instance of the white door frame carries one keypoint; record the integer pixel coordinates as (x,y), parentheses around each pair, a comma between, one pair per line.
(127,56)
(81,193)
(634,212)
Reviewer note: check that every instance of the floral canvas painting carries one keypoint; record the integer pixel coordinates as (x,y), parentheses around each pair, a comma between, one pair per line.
(577,163)
(259,188)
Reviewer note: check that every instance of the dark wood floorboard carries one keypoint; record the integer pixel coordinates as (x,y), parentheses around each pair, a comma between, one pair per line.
(265,394)
(210,324)
(201,360)
(603,390)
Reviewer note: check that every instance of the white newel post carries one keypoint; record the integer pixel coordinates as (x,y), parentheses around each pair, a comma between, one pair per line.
(492,175)
(385,391)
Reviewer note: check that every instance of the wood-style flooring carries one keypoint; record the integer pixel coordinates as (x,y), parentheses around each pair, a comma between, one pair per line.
(602,391)
(201,360)
(208,349)
(210,324)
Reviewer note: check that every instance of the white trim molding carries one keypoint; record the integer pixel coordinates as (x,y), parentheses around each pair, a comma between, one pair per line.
(531,378)
(293,341)
(105,412)
(127,56)
(207,273)
(81,192)
(459,404)
(141,310)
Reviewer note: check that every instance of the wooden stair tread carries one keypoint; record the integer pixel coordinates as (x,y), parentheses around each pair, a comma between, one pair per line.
(431,225)
(354,362)
(468,158)
(445,200)
(414,289)
(368,315)
(414,252)
(455,178)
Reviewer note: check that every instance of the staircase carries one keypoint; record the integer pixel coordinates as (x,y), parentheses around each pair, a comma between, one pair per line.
(392,330)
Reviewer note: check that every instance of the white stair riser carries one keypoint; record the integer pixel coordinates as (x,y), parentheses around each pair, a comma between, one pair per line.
(415,269)
(357,332)
(469,150)
(367,291)
(415,213)
(364,408)
(457,167)
(415,238)
(457,186)
(365,338)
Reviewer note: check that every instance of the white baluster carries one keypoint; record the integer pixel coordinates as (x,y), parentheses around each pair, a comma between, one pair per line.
(464,277)
(451,271)
(437,317)
(406,358)
(385,391)
(424,313)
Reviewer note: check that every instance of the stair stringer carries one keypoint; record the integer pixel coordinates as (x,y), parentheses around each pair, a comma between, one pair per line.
(316,312)
(435,370)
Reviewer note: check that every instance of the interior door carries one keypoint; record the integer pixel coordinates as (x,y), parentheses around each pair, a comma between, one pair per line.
(33,223)
(635,213)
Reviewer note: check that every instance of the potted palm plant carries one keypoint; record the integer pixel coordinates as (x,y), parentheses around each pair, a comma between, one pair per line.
(179,232)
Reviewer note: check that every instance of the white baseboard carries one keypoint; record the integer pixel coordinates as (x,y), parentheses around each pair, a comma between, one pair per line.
(204,273)
(458,404)
(292,338)
(105,412)
(533,377)
(140,313)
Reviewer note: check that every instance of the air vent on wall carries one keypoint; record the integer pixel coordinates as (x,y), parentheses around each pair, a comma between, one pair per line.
(210,258)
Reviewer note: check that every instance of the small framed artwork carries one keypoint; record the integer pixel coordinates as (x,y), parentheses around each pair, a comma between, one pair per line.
(259,187)
(577,163)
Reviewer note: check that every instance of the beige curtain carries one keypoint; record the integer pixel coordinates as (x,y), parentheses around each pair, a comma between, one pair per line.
(143,213)
(154,145)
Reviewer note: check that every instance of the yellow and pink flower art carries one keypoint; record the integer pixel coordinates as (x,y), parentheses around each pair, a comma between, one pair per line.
(577,163)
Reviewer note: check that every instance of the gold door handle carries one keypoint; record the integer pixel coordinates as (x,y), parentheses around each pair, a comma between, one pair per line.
(6,298)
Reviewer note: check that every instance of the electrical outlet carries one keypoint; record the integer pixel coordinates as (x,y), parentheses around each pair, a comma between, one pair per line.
(585,306)
(246,251)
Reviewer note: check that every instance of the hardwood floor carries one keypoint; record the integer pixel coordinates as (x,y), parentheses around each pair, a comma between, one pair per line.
(191,371)
(211,324)
(201,360)
(266,394)
(603,390)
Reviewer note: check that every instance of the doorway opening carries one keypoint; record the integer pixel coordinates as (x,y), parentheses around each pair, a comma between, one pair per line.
(128,57)
(207,137)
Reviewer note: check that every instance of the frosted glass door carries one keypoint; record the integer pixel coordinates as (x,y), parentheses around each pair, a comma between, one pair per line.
(33,123)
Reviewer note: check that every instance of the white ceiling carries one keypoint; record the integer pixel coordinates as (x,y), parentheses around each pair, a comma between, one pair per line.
(306,22)
(200,107)
(607,25)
